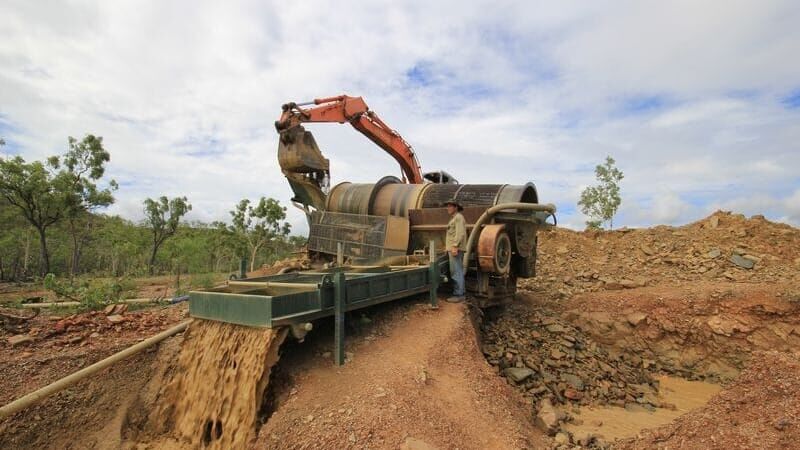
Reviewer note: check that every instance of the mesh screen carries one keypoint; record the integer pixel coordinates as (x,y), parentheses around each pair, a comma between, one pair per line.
(467,194)
(363,236)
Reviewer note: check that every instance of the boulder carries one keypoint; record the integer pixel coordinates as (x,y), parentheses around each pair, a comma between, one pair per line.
(572,394)
(753,258)
(583,438)
(116,318)
(548,417)
(561,438)
(636,318)
(20,339)
(726,326)
(574,381)
(517,374)
(741,261)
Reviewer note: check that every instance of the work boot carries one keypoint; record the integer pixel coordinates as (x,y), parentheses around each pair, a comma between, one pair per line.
(455,299)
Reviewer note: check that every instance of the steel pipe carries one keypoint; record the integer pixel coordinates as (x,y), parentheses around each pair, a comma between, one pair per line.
(57,386)
(489,213)
(269,284)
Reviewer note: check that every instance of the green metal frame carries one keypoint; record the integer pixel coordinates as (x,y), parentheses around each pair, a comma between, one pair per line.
(300,297)
(281,301)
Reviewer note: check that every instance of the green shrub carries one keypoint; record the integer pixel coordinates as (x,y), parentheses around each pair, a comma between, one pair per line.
(91,294)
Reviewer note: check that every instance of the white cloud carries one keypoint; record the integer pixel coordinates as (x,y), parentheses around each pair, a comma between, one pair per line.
(185,94)
(791,206)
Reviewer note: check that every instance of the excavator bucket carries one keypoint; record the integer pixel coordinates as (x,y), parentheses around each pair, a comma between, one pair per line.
(304,166)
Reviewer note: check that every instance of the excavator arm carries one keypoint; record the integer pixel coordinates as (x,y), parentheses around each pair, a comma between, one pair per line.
(354,111)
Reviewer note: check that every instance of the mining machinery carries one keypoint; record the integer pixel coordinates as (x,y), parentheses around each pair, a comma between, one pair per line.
(393,219)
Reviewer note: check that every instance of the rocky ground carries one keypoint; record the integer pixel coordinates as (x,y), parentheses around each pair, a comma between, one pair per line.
(610,310)
(607,316)
(721,248)
(51,346)
(548,358)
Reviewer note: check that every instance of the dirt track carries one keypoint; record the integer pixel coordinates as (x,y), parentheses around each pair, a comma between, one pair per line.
(418,378)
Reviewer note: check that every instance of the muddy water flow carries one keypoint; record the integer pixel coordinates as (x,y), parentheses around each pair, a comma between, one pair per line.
(214,396)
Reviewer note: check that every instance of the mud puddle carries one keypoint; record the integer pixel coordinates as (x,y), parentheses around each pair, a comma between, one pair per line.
(613,423)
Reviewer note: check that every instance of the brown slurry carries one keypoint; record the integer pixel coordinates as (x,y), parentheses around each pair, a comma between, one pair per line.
(215,394)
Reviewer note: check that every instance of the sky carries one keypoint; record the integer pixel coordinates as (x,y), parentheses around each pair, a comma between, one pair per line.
(698,102)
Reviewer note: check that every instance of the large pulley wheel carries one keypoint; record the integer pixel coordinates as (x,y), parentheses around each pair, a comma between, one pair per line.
(494,249)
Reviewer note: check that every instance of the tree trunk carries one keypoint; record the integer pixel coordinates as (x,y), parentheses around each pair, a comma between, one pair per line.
(73,263)
(253,257)
(15,272)
(153,259)
(79,240)
(27,251)
(178,278)
(114,264)
(156,244)
(45,255)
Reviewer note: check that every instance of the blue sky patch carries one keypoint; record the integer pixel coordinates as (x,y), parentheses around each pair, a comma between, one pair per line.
(524,56)
(203,146)
(641,104)
(442,82)
(7,132)
(419,75)
(792,100)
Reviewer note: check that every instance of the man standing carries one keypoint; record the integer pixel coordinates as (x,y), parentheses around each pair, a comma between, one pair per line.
(456,244)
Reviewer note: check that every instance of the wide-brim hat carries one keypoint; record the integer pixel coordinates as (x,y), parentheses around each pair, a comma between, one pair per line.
(455,203)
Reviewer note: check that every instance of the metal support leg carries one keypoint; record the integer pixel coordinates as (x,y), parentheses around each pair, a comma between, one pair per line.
(433,275)
(339,311)
(243,268)
(339,254)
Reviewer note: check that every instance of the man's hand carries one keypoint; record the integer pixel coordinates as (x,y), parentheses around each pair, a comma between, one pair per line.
(454,251)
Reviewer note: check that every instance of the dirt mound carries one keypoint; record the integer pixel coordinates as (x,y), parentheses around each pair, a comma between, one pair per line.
(415,378)
(546,357)
(299,261)
(761,409)
(724,247)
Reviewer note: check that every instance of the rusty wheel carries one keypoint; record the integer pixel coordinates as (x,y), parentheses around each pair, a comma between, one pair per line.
(494,249)
(502,254)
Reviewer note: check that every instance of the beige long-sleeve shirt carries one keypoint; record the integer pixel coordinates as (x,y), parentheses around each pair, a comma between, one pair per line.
(456,232)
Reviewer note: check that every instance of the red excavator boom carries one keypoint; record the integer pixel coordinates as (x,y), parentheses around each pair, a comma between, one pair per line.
(354,111)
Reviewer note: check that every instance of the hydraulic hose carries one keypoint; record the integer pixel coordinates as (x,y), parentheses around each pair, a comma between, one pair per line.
(489,213)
